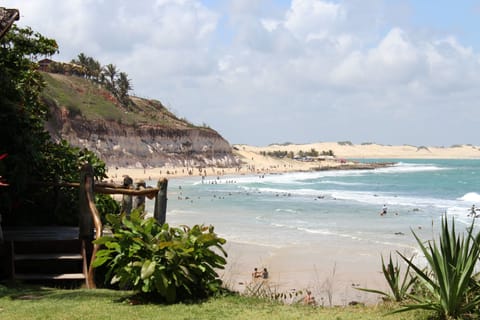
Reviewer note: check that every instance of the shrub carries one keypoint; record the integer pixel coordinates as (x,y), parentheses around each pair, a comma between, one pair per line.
(170,264)
(449,285)
(106,205)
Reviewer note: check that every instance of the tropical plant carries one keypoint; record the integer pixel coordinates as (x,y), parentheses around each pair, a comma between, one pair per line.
(449,279)
(170,264)
(400,286)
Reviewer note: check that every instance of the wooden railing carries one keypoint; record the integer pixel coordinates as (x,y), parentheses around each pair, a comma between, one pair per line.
(90,224)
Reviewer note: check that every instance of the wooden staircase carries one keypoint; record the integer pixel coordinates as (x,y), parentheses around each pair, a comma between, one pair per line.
(48,260)
(46,254)
(66,253)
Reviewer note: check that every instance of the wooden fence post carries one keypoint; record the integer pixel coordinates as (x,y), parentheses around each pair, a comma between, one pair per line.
(127,200)
(160,211)
(89,217)
(85,219)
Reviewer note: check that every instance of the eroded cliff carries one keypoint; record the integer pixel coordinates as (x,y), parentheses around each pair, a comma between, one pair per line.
(147,136)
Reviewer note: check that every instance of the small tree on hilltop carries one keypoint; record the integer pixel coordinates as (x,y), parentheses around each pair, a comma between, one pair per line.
(123,86)
(110,73)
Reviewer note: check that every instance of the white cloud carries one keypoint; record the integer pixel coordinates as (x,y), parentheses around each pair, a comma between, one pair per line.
(315,66)
(311,19)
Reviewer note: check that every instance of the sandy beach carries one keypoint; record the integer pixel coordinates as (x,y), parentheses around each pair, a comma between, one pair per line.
(330,270)
(253,162)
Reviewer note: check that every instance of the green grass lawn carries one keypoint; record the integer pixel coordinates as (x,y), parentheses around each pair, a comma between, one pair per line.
(48,303)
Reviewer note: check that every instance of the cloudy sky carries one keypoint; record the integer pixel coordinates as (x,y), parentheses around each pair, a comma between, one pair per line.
(265,71)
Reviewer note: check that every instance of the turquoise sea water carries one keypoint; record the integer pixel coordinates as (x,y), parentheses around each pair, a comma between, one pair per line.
(280,210)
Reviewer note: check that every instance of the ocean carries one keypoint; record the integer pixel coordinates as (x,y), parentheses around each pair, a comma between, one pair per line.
(282,210)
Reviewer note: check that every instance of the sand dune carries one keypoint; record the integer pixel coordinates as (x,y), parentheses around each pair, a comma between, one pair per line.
(347,150)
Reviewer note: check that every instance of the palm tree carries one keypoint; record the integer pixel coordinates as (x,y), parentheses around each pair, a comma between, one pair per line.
(110,71)
(83,62)
(94,69)
(123,86)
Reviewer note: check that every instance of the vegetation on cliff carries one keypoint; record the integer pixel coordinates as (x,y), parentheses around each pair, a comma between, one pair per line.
(83,99)
(144,132)
(87,90)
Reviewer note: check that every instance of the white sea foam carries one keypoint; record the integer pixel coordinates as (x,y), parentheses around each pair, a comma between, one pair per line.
(402,167)
(472,197)
(286,210)
(391,199)
(297,192)
(367,197)
(341,183)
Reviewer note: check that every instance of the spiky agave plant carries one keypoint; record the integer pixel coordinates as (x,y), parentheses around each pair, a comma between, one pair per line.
(449,278)
(399,285)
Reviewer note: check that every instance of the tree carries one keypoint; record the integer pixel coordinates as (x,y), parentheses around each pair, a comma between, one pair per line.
(32,155)
(123,86)
(94,69)
(91,67)
(110,73)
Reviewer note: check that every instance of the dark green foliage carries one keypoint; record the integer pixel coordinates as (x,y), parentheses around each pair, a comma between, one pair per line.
(106,205)
(33,157)
(169,264)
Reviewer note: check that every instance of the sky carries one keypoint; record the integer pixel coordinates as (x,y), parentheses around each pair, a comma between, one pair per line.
(301,71)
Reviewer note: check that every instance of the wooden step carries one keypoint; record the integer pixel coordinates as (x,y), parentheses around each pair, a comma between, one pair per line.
(46,247)
(41,276)
(48,256)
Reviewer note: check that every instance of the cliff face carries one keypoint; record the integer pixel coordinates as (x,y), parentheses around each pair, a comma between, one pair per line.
(142,145)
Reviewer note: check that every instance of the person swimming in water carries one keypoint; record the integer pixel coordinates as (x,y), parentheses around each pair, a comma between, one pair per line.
(384,210)
(473,212)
